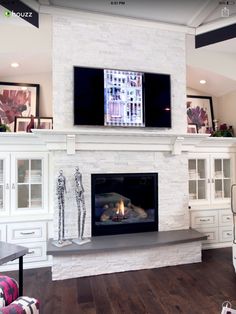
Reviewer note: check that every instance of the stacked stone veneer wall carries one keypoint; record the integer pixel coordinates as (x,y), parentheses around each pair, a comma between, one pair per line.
(172,185)
(119,261)
(110,42)
(117,43)
(173,210)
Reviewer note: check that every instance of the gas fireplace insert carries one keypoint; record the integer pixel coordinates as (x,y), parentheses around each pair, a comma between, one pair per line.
(124,203)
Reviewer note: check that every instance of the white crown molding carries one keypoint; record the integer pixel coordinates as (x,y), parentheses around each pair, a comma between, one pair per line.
(102,17)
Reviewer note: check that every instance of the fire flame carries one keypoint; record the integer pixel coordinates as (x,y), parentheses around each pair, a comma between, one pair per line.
(121,208)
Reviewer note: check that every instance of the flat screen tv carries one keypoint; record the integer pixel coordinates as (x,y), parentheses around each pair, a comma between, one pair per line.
(120,98)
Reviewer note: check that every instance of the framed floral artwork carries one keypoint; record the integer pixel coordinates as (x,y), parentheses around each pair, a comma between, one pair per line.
(200,113)
(18,100)
(45,123)
(22,124)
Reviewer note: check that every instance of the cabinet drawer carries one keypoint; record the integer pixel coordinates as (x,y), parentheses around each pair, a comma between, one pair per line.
(226,234)
(225,217)
(3,233)
(37,253)
(201,219)
(211,233)
(26,232)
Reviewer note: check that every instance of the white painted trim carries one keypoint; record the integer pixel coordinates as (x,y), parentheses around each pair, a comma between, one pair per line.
(70,140)
(121,140)
(102,17)
(222,22)
(205,10)
(177,147)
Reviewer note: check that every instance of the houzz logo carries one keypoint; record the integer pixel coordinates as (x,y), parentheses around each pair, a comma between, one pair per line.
(19,14)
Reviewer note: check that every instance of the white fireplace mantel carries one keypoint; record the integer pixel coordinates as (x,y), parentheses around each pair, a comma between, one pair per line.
(118,140)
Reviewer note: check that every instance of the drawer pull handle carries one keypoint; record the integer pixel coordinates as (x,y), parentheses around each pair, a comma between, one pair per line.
(228,218)
(228,234)
(30,252)
(27,233)
(204,220)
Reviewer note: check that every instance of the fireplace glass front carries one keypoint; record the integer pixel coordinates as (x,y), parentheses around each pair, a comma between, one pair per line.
(124,203)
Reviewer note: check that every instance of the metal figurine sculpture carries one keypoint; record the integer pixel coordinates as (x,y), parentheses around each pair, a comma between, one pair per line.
(60,191)
(79,196)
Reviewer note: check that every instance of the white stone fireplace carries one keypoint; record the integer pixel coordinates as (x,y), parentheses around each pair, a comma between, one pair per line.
(101,41)
(123,151)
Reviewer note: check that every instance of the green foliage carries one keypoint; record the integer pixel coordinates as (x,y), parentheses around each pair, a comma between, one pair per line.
(4,128)
(224,131)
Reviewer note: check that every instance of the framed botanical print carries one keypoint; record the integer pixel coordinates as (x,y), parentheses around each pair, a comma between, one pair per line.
(200,113)
(18,100)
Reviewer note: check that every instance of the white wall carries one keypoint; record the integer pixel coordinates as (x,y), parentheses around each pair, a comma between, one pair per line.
(227,109)
(45,82)
(112,42)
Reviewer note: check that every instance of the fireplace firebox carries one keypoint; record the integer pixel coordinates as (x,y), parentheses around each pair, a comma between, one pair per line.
(124,203)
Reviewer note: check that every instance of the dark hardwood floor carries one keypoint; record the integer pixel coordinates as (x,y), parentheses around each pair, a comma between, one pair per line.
(190,289)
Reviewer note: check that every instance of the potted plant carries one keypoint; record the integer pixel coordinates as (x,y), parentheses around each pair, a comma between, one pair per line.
(224,131)
(4,127)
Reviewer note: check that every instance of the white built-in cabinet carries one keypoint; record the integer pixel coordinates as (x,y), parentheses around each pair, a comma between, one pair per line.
(23,183)
(210,178)
(24,209)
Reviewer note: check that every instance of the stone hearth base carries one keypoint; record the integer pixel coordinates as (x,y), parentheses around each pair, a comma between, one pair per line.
(73,266)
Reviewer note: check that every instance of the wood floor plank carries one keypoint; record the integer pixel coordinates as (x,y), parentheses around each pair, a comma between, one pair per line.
(101,299)
(84,291)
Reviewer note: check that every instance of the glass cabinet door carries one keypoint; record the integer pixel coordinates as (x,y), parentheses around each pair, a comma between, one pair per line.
(4,185)
(222,178)
(29,184)
(1,185)
(197,179)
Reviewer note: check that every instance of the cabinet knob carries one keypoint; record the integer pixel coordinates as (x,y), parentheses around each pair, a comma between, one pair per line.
(7,186)
(13,186)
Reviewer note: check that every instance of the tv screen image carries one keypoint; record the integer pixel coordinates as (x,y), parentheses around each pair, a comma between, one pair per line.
(121,98)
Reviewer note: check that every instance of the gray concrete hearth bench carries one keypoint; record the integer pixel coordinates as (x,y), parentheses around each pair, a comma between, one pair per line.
(101,250)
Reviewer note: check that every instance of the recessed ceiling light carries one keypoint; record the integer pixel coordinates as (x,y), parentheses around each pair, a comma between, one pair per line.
(202,81)
(14,65)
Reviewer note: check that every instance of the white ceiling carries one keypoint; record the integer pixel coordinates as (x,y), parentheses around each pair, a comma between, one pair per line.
(216,84)
(33,49)
(180,12)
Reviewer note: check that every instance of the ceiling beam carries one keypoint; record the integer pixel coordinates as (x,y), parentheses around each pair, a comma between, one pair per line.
(44,2)
(202,14)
